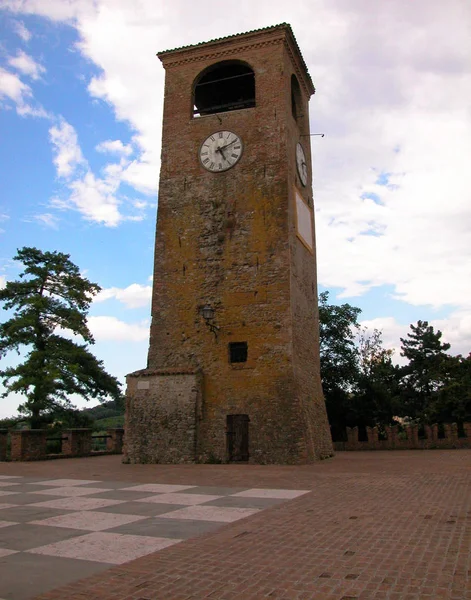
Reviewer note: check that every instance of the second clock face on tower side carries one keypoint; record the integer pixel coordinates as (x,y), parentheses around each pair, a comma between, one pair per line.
(301,163)
(220,151)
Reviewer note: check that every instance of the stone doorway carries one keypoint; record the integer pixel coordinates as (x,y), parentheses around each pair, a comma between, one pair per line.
(237,432)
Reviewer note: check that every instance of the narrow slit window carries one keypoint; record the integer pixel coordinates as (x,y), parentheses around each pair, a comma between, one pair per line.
(238,352)
(226,86)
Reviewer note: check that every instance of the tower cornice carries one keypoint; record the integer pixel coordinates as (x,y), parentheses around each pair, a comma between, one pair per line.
(221,48)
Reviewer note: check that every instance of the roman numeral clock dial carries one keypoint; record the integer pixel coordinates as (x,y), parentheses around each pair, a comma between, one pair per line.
(220,151)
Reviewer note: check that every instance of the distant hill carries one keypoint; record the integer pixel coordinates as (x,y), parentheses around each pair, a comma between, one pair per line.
(108,414)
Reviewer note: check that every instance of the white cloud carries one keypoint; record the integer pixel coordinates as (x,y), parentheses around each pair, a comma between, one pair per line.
(114,147)
(46,219)
(21,31)
(26,64)
(96,198)
(134,296)
(111,328)
(393,88)
(67,153)
(3,281)
(13,88)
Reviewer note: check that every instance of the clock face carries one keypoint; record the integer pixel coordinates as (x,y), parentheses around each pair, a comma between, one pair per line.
(220,151)
(301,163)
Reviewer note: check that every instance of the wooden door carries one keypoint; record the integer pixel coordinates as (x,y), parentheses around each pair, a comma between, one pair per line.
(238,438)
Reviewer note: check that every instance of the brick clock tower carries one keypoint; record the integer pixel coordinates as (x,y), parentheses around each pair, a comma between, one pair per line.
(233,365)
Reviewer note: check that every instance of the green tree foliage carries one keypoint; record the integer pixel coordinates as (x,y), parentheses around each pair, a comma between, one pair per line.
(425,374)
(49,299)
(453,403)
(377,383)
(339,360)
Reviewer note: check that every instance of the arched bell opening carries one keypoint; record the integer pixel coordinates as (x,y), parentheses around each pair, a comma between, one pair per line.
(225,86)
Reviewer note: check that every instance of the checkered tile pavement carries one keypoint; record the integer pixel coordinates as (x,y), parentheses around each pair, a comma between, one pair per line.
(59,530)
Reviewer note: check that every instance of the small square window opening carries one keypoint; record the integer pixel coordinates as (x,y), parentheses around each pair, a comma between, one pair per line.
(238,352)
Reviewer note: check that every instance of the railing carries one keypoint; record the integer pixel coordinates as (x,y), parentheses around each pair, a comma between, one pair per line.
(433,436)
(36,444)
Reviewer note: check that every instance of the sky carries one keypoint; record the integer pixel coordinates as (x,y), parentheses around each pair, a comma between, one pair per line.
(81,93)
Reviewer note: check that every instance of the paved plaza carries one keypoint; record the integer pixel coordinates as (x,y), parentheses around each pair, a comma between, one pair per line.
(392,525)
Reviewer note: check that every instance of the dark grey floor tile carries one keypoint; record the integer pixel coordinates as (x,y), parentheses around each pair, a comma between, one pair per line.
(146,509)
(113,485)
(240,502)
(121,495)
(26,536)
(23,514)
(214,490)
(23,488)
(22,499)
(177,529)
(24,576)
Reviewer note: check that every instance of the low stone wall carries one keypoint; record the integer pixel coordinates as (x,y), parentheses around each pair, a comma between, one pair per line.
(31,444)
(412,441)
(3,444)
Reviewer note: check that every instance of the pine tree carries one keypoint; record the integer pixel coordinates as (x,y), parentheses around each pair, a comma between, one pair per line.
(50,299)
(423,377)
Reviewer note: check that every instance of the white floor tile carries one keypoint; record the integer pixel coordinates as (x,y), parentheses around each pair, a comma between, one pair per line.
(184,499)
(158,488)
(89,520)
(112,548)
(70,491)
(65,482)
(261,493)
(210,513)
(78,504)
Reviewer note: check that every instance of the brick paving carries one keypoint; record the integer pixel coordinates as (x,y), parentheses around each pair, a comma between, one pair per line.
(392,525)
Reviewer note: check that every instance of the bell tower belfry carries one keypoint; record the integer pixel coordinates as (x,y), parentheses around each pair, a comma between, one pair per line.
(233,368)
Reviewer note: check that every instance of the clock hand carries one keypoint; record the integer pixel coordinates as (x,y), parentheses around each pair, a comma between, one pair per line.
(229,144)
(221,150)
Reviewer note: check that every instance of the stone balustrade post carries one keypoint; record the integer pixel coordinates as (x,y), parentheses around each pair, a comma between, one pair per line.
(77,442)
(467,431)
(451,432)
(3,444)
(412,432)
(114,444)
(372,434)
(352,436)
(28,444)
(391,435)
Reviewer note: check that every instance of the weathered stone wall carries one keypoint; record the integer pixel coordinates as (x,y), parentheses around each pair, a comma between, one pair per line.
(303,294)
(227,240)
(161,416)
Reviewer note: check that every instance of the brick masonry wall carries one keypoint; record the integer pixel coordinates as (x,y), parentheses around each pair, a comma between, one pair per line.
(161,413)
(412,441)
(28,444)
(77,442)
(3,444)
(227,240)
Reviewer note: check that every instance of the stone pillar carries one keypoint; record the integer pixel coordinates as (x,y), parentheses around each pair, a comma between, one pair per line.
(352,435)
(28,444)
(3,444)
(77,442)
(467,431)
(114,444)
(451,433)
(431,431)
(412,432)
(391,434)
(372,433)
